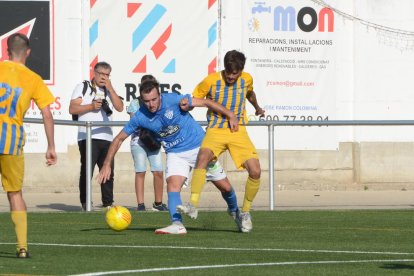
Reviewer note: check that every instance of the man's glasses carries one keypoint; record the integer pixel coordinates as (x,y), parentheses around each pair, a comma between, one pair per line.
(102,74)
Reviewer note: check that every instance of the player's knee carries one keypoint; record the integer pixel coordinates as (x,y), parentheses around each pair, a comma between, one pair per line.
(255,173)
(16,200)
(253,168)
(226,189)
(224,186)
(204,157)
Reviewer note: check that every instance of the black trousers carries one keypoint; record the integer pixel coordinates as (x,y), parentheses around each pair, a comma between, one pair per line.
(99,151)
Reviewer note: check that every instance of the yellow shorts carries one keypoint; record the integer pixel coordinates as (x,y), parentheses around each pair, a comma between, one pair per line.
(12,172)
(238,143)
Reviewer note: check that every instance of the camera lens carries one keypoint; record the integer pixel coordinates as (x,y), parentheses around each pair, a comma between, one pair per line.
(106,108)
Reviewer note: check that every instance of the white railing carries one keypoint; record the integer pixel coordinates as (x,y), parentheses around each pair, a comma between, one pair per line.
(270,124)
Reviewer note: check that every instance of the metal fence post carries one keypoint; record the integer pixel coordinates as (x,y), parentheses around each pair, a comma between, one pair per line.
(88,167)
(271,167)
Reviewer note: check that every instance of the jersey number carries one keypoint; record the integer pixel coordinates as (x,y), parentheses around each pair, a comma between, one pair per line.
(6,96)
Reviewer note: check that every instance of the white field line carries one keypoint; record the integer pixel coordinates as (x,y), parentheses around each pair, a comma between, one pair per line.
(220,248)
(231,249)
(225,248)
(236,265)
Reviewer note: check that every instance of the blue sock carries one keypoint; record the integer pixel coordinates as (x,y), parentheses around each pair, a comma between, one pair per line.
(231,199)
(174,199)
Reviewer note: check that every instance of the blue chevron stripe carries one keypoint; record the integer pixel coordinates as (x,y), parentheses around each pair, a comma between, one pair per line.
(212,34)
(147,25)
(93,32)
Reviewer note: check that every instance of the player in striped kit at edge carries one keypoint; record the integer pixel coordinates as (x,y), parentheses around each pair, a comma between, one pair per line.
(18,87)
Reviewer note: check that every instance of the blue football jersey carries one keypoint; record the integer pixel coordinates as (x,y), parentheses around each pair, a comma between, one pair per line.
(175,129)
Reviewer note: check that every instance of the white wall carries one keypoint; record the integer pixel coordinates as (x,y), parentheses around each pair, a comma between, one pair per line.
(369,77)
(383,69)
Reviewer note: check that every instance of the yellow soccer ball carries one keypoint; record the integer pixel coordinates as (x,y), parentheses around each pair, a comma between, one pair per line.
(118,218)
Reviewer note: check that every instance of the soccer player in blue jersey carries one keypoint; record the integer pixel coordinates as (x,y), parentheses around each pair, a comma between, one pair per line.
(230,88)
(167,115)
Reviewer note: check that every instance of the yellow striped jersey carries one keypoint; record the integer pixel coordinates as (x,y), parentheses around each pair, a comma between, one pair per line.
(233,97)
(18,86)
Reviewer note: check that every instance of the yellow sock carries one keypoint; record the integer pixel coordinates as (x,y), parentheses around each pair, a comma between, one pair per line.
(197,185)
(252,187)
(19,219)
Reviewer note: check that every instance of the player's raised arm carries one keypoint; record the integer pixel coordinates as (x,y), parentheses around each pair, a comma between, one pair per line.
(105,172)
(251,97)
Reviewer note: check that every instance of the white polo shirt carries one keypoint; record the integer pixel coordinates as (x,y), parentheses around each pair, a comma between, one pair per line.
(99,132)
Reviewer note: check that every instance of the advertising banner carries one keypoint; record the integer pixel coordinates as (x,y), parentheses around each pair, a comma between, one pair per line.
(175,43)
(293,50)
(34,19)
(310,60)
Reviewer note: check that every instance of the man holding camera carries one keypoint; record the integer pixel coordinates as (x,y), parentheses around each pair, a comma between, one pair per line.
(94,101)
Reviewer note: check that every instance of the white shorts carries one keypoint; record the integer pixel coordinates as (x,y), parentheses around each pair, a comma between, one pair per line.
(183,162)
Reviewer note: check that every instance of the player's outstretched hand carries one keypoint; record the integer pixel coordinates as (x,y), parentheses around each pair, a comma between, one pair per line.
(260,112)
(184,106)
(104,174)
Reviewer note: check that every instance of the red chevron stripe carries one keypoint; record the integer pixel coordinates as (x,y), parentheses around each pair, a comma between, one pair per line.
(211,3)
(159,47)
(212,66)
(141,66)
(91,66)
(132,8)
(23,30)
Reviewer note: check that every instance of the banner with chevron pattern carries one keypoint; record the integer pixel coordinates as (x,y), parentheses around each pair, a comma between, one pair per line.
(175,43)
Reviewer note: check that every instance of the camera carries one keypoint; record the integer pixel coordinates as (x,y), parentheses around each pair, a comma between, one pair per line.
(105,105)
(106,108)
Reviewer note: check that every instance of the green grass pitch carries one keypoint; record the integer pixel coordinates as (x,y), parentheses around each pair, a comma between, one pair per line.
(355,242)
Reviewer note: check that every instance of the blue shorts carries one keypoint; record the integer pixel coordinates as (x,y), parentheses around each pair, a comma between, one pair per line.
(141,154)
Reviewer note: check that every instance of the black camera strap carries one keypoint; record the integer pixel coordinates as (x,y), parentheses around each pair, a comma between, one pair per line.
(86,84)
(92,86)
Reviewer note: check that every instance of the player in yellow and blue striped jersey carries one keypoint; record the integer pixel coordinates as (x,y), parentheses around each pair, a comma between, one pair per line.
(18,87)
(230,87)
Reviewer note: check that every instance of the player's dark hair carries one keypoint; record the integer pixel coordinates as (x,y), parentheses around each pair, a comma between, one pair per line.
(17,44)
(147,86)
(234,61)
(103,65)
(145,78)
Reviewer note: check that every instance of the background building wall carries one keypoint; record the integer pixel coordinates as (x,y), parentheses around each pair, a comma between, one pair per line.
(354,166)
(372,65)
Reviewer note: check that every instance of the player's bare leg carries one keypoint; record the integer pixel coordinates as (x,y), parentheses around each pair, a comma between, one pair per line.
(252,187)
